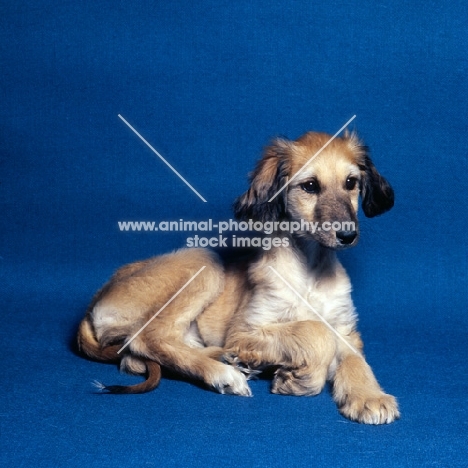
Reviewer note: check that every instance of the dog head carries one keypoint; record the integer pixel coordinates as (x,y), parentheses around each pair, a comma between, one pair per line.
(318,181)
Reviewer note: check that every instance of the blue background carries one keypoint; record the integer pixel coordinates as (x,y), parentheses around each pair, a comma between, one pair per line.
(209,84)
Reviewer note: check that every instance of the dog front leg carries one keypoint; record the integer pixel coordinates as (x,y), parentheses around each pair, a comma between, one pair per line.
(357,393)
(302,350)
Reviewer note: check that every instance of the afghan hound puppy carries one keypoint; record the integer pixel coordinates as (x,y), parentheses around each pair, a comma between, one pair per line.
(288,307)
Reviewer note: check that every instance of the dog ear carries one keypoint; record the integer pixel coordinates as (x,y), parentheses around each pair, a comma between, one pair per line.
(377,194)
(269,176)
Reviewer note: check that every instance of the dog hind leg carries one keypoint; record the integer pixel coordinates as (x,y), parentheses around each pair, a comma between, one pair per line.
(168,332)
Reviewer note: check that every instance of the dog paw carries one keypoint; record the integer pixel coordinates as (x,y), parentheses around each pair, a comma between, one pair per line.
(377,409)
(232,382)
(299,382)
(235,361)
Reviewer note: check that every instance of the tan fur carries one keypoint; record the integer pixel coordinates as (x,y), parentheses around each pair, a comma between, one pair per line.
(237,319)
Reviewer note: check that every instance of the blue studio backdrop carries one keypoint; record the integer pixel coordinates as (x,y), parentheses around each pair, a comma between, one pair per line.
(208,84)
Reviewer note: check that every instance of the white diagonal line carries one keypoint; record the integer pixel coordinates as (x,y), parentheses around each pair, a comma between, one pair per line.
(313,310)
(312,158)
(161,309)
(161,158)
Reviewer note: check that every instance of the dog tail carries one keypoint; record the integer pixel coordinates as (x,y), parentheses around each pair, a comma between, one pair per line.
(88,344)
(152,381)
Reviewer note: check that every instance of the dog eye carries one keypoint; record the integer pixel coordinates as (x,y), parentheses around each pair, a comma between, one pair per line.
(311,186)
(351,183)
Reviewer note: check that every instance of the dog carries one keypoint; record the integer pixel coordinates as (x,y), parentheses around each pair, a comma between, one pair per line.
(288,308)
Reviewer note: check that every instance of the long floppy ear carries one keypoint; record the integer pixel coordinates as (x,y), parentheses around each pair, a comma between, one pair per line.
(269,176)
(377,194)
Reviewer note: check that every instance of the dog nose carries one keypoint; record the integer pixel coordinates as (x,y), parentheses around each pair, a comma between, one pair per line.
(346,237)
